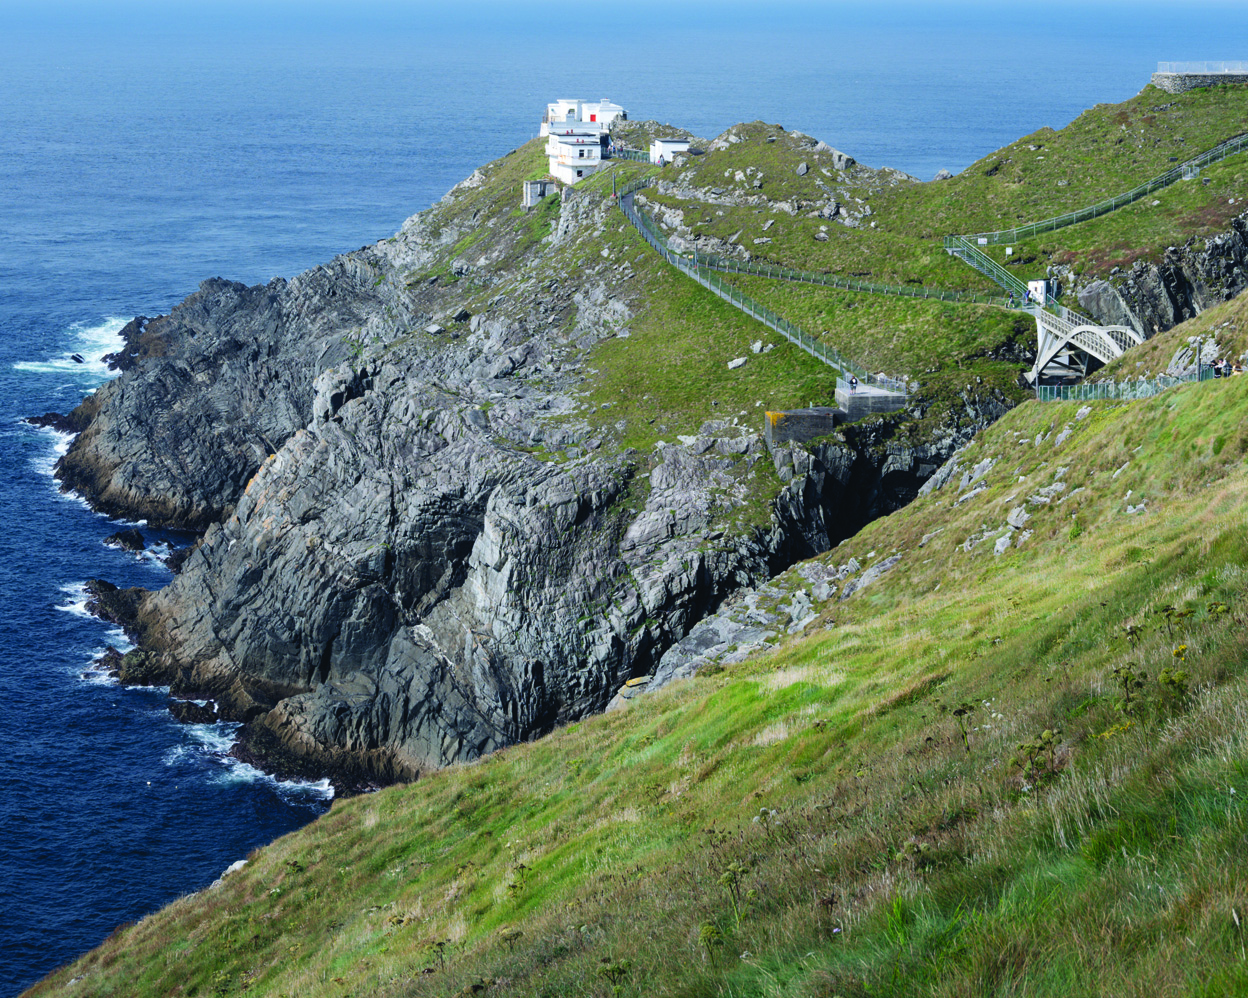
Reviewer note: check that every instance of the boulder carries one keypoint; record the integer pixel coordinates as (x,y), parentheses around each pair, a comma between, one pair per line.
(128,540)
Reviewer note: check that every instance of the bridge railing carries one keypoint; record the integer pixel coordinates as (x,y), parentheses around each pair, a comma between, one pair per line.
(1231,147)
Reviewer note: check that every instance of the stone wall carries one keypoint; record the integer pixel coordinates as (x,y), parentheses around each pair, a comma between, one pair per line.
(1177,83)
(800,425)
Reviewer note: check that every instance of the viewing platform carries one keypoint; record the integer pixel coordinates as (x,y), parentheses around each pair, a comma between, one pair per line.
(883,395)
(1179,77)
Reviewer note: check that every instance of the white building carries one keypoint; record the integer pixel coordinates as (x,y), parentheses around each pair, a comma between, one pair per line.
(662,150)
(602,113)
(576,133)
(574,153)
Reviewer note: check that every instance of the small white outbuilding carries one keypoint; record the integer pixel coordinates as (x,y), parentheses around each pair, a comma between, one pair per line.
(662,150)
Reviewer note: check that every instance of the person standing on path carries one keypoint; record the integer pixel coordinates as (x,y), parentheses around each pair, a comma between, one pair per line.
(853,384)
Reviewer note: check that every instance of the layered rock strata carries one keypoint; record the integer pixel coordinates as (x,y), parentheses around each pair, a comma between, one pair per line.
(1188,279)
(417,547)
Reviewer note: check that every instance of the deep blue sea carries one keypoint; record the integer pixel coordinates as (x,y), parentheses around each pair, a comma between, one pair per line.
(145,146)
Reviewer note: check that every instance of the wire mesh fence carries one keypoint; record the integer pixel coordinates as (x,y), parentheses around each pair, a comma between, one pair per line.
(1140,388)
(1231,147)
(653,235)
(750,267)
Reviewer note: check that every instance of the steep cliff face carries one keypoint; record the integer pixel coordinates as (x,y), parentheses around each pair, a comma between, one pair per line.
(1187,280)
(418,546)
(213,388)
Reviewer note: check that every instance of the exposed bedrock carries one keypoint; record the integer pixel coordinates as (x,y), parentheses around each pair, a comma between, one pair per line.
(213,388)
(1190,278)
(418,547)
(429,593)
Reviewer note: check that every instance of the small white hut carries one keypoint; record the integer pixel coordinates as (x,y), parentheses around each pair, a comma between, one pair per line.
(662,150)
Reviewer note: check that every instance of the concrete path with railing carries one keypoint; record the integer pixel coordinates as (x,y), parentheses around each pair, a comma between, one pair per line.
(1060,332)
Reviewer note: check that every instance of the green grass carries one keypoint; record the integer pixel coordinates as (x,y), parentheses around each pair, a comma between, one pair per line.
(1106,151)
(671,374)
(901,860)
(1226,323)
(897,335)
(1140,231)
(906,854)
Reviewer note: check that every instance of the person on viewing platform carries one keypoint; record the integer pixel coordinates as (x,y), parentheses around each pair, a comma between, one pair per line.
(853,384)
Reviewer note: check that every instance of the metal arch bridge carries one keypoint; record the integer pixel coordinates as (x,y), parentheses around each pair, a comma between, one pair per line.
(1062,338)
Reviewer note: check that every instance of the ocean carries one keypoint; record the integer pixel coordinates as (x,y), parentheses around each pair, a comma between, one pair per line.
(145,147)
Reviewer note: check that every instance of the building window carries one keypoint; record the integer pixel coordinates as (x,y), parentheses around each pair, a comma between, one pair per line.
(580,173)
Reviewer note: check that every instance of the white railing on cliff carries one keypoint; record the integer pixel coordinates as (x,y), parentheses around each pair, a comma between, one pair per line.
(1203,68)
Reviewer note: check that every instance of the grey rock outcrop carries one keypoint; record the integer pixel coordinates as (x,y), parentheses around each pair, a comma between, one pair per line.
(1153,297)
(417,547)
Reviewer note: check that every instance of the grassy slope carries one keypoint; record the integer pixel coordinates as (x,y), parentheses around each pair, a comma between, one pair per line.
(1105,151)
(1141,231)
(903,858)
(1226,323)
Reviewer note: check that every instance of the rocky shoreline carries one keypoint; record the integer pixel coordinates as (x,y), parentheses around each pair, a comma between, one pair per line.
(418,544)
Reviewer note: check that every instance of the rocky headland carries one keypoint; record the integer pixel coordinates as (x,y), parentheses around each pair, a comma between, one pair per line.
(419,541)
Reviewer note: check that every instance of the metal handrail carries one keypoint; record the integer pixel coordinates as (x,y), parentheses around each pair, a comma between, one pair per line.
(653,235)
(1230,147)
(729,266)
(960,247)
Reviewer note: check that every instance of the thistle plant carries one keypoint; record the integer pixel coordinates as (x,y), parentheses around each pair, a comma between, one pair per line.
(1130,681)
(1038,757)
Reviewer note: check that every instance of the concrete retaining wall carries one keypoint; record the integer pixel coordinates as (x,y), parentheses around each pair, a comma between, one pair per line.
(800,425)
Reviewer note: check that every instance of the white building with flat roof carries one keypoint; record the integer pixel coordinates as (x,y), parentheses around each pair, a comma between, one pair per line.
(602,113)
(577,133)
(573,154)
(662,150)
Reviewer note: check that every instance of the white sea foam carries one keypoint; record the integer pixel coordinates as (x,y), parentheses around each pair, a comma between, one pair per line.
(242,772)
(77,595)
(45,463)
(91,343)
(97,675)
(214,741)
